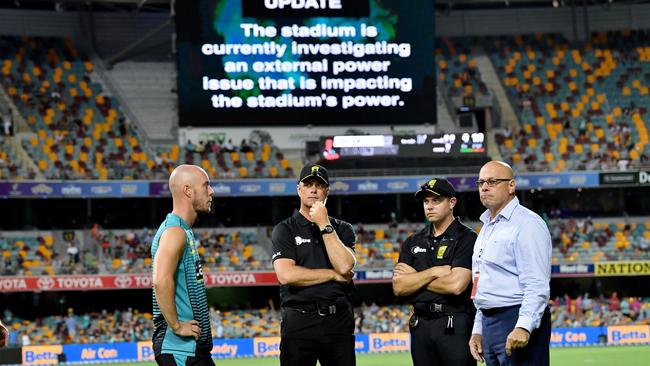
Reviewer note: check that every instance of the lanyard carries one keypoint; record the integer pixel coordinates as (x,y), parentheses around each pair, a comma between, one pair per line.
(484,240)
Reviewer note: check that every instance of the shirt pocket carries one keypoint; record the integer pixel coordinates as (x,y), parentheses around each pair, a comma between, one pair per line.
(499,248)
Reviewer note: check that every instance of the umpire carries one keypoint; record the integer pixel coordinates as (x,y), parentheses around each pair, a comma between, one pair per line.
(434,271)
(313,259)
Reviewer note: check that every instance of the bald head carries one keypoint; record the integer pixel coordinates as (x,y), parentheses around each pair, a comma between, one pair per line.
(185,175)
(496,169)
(496,186)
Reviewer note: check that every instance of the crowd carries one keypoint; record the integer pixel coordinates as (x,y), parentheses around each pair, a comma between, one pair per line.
(131,325)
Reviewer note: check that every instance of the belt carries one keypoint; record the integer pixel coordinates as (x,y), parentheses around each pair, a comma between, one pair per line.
(429,309)
(495,311)
(322,308)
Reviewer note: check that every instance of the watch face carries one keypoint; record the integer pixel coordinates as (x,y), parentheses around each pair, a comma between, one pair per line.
(328,229)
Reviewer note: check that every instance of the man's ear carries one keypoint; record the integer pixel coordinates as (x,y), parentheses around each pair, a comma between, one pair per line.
(187,190)
(452,202)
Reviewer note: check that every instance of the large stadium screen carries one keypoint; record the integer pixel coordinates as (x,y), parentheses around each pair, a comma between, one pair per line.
(299,62)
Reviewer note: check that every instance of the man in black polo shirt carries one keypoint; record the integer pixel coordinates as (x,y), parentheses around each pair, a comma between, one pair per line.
(313,258)
(434,271)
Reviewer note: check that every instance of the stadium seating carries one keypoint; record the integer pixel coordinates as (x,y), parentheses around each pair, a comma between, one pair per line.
(132,325)
(238,249)
(30,254)
(579,107)
(584,311)
(9,169)
(129,251)
(378,246)
(226,161)
(80,132)
(587,241)
(457,70)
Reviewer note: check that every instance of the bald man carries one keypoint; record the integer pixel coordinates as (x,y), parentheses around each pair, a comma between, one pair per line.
(182,333)
(511,268)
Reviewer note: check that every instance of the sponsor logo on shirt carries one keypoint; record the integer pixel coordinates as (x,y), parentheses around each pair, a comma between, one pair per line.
(300,240)
(416,250)
(441,251)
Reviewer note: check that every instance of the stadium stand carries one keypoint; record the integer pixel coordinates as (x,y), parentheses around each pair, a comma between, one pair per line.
(457,68)
(578,106)
(120,251)
(586,241)
(10,168)
(80,133)
(99,251)
(131,325)
(599,311)
(225,160)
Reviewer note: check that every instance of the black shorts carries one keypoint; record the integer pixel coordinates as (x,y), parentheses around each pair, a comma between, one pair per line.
(167,359)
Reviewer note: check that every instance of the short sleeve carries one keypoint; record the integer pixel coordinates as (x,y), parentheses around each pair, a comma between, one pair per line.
(405,255)
(346,234)
(465,250)
(283,242)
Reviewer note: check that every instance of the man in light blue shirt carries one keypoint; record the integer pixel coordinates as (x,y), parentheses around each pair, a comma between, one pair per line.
(511,269)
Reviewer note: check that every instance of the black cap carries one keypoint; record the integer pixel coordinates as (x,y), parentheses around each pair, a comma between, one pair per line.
(437,186)
(314,170)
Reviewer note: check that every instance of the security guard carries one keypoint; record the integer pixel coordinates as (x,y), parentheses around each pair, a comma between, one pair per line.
(434,271)
(313,259)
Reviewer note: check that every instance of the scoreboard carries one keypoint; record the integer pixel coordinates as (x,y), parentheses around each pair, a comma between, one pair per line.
(464,144)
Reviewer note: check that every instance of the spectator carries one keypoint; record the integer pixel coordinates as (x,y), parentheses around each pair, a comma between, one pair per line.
(73,252)
(71,324)
(614,302)
(228,146)
(7,125)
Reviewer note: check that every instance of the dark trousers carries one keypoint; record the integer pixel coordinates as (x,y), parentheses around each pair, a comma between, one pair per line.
(433,344)
(496,328)
(310,337)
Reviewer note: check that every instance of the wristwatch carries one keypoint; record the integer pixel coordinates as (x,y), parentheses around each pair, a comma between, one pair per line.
(328,229)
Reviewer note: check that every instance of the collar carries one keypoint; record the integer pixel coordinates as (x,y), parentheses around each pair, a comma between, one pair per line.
(300,219)
(451,230)
(506,212)
(184,224)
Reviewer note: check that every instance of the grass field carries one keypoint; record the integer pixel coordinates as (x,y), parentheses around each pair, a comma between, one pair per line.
(591,356)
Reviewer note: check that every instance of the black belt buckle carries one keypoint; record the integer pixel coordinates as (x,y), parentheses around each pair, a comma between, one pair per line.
(435,308)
